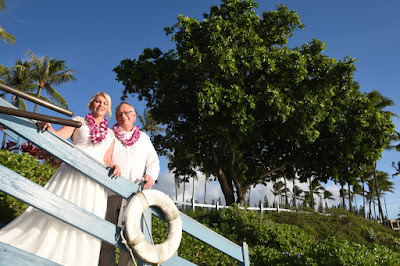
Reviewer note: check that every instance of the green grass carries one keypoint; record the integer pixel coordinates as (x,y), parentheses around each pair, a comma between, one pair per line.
(291,238)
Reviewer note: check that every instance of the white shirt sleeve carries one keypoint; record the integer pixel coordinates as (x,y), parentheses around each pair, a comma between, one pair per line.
(152,167)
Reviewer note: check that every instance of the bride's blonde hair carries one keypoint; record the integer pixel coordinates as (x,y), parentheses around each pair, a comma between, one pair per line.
(108,99)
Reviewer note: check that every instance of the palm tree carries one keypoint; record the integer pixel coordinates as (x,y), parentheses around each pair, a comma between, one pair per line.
(306,200)
(367,175)
(5,36)
(177,182)
(149,124)
(286,191)
(357,190)
(184,180)
(18,77)
(207,177)
(295,194)
(48,72)
(371,196)
(384,185)
(397,169)
(343,193)
(194,179)
(315,187)
(380,102)
(277,190)
(327,196)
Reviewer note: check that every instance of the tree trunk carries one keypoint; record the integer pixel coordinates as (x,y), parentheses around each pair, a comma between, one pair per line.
(369,210)
(205,188)
(349,192)
(363,190)
(193,191)
(3,144)
(377,192)
(344,204)
(38,96)
(311,193)
(14,98)
(249,199)
(286,195)
(384,200)
(294,194)
(227,190)
(184,188)
(176,190)
(241,198)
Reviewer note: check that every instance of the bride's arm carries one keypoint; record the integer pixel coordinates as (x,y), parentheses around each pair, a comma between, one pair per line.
(108,161)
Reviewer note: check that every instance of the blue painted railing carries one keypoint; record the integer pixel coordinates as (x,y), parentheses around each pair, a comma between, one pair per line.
(38,197)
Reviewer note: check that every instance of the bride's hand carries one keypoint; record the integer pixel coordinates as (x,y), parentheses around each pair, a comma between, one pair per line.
(43,125)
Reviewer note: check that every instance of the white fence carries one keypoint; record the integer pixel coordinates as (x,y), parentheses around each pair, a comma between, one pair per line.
(216,206)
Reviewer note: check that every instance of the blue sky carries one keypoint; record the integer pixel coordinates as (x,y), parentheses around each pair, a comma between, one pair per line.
(94,36)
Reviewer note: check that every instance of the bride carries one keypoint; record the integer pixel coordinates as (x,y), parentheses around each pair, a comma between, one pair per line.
(39,233)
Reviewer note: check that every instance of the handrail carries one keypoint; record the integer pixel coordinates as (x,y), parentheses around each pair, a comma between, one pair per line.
(34,99)
(40,117)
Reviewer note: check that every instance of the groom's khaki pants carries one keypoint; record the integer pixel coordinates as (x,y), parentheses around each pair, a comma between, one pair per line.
(107,252)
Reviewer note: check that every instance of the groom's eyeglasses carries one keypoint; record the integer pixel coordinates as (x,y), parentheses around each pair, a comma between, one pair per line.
(129,113)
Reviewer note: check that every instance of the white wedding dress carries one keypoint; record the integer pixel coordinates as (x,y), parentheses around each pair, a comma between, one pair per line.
(48,237)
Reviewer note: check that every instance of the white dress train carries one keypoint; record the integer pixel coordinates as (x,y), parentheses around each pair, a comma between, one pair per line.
(41,234)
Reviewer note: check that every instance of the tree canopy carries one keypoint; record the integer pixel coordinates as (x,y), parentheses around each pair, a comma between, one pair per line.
(238,103)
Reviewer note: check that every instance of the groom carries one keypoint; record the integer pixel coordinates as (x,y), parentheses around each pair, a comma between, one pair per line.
(135,155)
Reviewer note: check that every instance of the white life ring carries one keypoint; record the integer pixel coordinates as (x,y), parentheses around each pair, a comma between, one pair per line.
(157,253)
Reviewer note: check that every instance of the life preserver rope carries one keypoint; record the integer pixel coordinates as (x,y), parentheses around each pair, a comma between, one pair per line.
(136,240)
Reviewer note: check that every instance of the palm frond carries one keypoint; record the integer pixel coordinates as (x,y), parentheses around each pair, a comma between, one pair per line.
(2,5)
(56,97)
(7,37)
(20,104)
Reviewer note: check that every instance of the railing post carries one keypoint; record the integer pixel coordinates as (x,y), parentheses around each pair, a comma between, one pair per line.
(245,252)
(216,205)
(146,229)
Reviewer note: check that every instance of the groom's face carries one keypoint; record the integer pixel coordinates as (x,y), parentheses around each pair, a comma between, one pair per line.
(125,117)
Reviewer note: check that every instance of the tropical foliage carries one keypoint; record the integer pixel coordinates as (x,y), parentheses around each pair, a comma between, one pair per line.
(5,36)
(149,124)
(239,104)
(18,77)
(37,74)
(291,239)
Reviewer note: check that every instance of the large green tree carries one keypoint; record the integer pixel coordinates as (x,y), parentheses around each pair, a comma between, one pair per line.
(237,101)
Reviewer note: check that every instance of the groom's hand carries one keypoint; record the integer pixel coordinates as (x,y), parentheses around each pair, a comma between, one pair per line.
(148,181)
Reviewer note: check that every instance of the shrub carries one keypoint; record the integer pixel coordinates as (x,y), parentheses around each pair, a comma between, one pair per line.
(29,167)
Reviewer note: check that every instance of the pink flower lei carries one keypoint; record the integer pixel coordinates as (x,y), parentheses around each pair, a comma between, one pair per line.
(120,135)
(96,137)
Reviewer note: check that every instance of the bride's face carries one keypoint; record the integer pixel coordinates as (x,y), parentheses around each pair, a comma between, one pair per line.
(99,106)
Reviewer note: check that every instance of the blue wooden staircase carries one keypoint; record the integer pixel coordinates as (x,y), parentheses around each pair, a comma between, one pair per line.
(21,188)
